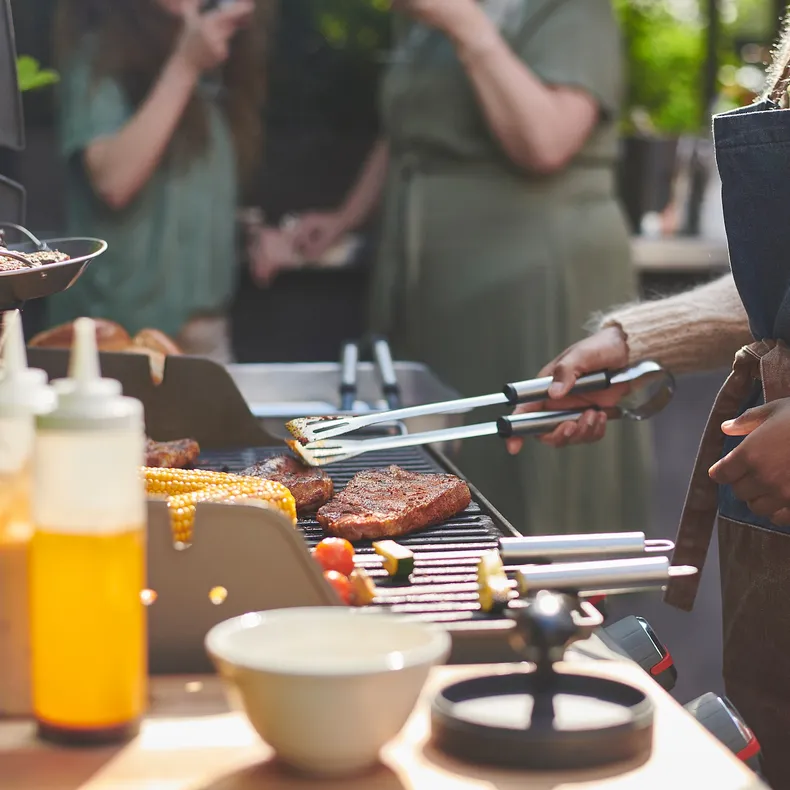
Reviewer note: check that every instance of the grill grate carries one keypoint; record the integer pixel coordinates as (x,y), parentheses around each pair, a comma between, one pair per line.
(443,586)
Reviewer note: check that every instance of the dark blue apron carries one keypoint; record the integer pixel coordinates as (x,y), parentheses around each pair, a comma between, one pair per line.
(753,158)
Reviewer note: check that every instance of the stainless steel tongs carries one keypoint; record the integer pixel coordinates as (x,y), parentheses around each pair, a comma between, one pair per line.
(649,389)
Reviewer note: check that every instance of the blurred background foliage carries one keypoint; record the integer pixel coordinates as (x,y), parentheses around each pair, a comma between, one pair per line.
(665,43)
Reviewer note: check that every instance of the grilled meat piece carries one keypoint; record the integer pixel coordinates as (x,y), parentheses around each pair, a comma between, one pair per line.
(180,454)
(387,503)
(310,487)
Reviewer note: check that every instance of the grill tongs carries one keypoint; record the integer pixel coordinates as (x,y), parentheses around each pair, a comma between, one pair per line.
(638,393)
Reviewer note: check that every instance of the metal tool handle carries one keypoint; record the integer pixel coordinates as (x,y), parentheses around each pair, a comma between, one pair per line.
(554,547)
(600,574)
(348,376)
(40,245)
(538,389)
(389,379)
(535,423)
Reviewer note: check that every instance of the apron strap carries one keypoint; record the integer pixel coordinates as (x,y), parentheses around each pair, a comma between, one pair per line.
(699,512)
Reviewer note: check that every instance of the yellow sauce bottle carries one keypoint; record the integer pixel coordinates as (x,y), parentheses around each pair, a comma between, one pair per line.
(23,394)
(88,557)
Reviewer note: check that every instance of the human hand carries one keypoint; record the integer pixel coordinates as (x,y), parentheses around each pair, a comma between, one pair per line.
(758,469)
(605,350)
(204,43)
(270,251)
(317,232)
(450,16)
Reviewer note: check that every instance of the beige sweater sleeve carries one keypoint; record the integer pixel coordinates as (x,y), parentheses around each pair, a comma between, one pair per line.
(700,329)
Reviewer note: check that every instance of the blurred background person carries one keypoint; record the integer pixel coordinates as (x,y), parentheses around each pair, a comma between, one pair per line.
(320,119)
(159,112)
(501,228)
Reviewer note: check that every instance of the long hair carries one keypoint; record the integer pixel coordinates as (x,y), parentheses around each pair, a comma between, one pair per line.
(134,40)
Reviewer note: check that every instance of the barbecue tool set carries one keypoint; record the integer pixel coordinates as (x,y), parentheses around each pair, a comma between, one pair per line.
(640,392)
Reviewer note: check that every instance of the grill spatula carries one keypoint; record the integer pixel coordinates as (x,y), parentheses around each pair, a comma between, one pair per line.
(649,392)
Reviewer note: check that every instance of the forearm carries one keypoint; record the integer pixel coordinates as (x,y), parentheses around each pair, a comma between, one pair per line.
(540,128)
(700,329)
(120,166)
(367,191)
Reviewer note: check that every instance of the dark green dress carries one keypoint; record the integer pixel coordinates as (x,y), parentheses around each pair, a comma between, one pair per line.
(487,272)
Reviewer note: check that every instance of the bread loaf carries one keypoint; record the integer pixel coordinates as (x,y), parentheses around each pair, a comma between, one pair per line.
(109,336)
(157,341)
(113,338)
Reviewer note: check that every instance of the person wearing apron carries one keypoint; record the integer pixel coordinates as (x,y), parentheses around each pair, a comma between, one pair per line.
(743,466)
(489,262)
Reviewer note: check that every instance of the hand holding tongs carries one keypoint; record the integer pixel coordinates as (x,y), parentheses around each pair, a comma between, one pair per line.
(649,390)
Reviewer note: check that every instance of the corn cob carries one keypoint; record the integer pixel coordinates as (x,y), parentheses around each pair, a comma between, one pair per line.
(186,488)
(168,482)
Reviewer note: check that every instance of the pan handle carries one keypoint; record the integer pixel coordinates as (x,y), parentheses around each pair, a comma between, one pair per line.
(538,389)
(389,379)
(40,245)
(535,424)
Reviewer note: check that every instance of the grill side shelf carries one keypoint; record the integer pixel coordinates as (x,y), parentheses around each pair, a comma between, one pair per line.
(443,588)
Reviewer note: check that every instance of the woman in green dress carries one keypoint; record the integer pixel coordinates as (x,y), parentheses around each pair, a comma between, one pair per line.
(159,113)
(502,232)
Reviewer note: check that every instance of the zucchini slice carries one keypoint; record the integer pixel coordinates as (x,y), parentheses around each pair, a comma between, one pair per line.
(398,560)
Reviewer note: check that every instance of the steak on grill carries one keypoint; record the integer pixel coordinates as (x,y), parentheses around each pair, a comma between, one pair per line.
(310,487)
(179,454)
(387,503)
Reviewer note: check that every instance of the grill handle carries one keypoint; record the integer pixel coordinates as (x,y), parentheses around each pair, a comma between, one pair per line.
(538,389)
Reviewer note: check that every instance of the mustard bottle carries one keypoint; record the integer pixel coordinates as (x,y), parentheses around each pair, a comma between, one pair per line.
(88,557)
(24,392)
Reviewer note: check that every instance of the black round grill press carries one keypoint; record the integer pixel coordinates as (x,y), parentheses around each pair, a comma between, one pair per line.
(634,637)
(544,719)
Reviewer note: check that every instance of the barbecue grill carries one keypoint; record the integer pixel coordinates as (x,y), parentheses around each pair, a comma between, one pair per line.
(443,586)
(199,399)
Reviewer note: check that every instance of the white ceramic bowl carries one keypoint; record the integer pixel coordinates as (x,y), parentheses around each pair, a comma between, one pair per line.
(326,687)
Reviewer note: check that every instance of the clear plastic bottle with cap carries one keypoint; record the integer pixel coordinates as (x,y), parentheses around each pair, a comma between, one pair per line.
(24,393)
(88,557)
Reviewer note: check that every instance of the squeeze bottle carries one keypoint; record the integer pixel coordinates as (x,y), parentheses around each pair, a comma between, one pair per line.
(24,392)
(88,557)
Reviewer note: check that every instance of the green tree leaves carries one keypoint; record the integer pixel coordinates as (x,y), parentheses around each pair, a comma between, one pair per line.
(31,76)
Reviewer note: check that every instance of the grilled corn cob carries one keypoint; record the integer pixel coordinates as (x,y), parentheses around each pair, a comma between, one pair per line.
(169,482)
(186,488)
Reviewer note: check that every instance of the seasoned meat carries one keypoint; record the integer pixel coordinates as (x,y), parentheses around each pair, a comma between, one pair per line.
(179,454)
(387,503)
(309,486)
(10,265)
(34,258)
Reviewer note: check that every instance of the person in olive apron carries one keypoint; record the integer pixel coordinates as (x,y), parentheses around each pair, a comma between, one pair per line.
(743,466)
(494,248)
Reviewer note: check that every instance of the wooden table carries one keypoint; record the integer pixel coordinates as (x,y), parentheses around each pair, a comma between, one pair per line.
(191,742)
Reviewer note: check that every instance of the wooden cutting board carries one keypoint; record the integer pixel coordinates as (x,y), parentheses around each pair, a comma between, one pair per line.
(191,742)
